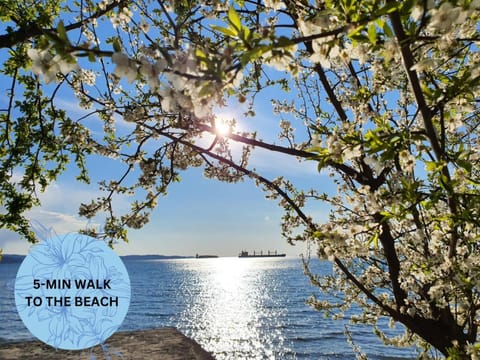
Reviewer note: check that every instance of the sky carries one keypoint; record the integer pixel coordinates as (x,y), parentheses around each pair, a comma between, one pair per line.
(198,215)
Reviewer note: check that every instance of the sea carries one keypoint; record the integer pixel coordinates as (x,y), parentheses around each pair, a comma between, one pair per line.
(235,308)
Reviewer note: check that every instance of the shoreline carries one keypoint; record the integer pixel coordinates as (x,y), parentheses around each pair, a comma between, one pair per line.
(163,343)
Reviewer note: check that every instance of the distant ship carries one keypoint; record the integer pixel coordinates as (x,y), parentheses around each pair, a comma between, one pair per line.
(245,254)
(205,256)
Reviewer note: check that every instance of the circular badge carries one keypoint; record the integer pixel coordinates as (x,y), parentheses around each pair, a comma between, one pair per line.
(72,291)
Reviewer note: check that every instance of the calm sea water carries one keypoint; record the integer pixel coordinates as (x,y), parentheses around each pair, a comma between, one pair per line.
(235,308)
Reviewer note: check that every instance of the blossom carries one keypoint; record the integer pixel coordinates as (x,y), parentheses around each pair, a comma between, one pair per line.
(41,60)
(445,16)
(320,54)
(285,125)
(475,4)
(359,52)
(144,26)
(87,76)
(150,72)
(368,90)
(308,28)
(275,4)
(280,60)
(48,66)
(417,12)
(124,66)
(122,18)
(167,100)
(103,4)
(422,65)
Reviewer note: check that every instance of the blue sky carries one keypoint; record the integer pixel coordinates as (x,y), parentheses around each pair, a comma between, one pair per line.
(198,215)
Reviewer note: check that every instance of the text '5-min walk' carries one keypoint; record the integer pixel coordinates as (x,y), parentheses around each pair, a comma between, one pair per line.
(67,284)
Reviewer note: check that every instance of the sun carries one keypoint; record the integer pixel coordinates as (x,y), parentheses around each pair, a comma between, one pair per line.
(223,127)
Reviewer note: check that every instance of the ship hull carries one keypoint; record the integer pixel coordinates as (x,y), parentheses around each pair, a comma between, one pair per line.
(261,256)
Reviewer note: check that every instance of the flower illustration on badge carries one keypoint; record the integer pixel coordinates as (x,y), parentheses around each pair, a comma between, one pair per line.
(72,291)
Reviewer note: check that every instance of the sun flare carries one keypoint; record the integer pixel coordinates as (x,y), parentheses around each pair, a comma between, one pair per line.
(223,127)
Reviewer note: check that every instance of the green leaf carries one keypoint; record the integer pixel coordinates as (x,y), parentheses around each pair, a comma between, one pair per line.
(116,45)
(389,8)
(234,19)
(225,31)
(372,34)
(245,34)
(199,53)
(253,54)
(386,215)
(91,57)
(387,30)
(356,31)
(62,33)
(407,5)
(205,90)
(374,240)
(467,165)
(432,166)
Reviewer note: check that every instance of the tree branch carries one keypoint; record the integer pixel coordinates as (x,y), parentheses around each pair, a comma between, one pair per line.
(427,116)
(241,169)
(33,30)
(409,62)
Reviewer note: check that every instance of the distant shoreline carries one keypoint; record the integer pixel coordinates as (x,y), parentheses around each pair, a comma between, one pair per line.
(13,258)
(154,257)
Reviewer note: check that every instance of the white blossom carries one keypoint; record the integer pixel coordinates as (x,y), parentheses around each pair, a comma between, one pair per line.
(423,65)
(144,26)
(102,5)
(417,12)
(151,73)
(275,4)
(445,16)
(124,66)
(87,76)
(281,60)
(48,66)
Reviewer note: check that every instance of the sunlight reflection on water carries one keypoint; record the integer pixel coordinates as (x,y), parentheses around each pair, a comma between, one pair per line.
(236,308)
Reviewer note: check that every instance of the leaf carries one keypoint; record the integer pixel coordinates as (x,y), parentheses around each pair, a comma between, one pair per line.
(467,165)
(116,45)
(372,34)
(205,90)
(355,31)
(386,215)
(407,5)
(234,19)
(374,240)
(245,34)
(91,57)
(253,54)
(225,31)
(387,30)
(389,8)
(62,33)
(199,53)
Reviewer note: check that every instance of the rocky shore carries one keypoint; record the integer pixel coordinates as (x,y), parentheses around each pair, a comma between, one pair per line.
(164,344)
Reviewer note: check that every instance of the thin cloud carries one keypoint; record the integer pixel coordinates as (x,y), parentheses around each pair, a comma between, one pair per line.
(283,165)
(45,223)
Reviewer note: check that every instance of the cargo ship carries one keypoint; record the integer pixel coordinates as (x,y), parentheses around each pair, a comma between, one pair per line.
(206,256)
(246,254)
